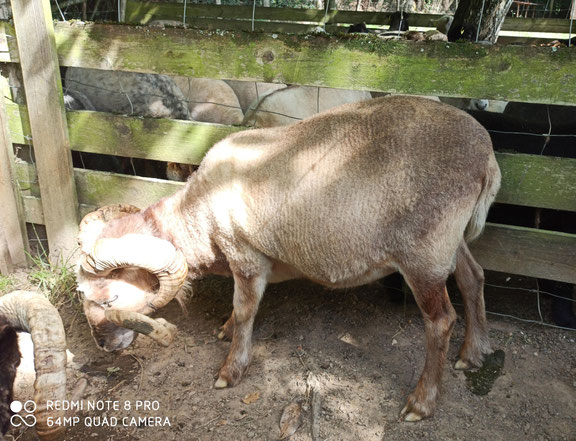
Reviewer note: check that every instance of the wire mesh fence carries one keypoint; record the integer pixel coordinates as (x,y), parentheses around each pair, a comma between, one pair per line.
(108,10)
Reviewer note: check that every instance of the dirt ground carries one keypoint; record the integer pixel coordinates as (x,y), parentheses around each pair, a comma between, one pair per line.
(350,357)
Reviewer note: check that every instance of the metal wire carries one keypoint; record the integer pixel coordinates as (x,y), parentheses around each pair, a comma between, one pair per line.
(325,15)
(551,135)
(60,10)
(528,290)
(523,319)
(480,23)
(573,13)
(547,139)
(184,14)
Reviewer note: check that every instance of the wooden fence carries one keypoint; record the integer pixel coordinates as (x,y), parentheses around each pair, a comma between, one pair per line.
(543,75)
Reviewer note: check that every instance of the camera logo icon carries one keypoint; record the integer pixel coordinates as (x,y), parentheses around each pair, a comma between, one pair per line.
(28,419)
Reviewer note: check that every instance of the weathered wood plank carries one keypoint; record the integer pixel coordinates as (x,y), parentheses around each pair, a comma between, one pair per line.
(540,75)
(6,264)
(34,214)
(529,180)
(528,252)
(538,181)
(13,240)
(101,188)
(8,43)
(131,137)
(159,139)
(143,12)
(532,74)
(41,74)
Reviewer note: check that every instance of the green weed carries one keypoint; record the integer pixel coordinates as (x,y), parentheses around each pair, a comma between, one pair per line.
(56,281)
(6,284)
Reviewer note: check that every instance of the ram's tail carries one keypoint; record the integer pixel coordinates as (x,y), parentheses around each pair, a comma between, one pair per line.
(490,187)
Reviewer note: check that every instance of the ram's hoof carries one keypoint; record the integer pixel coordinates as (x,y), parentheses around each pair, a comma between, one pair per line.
(413,412)
(462,365)
(221,383)
(412,417)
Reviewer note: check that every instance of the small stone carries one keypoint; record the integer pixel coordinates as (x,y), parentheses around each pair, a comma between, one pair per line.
(394,342)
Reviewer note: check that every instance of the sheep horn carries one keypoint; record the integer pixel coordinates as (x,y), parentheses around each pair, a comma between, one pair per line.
(159,330)
(93,223)
(158,256)
(31,312)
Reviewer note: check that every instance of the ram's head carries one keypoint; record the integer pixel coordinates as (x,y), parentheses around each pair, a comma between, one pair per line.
(125,274)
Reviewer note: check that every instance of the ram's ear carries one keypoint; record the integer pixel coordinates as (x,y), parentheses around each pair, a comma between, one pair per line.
(93,223)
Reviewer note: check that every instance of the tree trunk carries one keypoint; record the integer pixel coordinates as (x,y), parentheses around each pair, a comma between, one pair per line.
(473,23)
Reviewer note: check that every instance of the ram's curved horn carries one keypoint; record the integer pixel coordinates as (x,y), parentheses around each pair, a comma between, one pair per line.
(159,330)
(33,313)
(93,223)
(155,255)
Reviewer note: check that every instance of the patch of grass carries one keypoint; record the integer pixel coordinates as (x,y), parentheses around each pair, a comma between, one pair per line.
(56,281)
(6,284)
(112,371)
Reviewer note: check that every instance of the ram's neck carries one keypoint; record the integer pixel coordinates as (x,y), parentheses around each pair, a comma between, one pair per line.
(184,220)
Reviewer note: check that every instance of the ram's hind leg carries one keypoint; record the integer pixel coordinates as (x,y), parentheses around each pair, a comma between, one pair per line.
(247,294)
(470,279)
(439,317)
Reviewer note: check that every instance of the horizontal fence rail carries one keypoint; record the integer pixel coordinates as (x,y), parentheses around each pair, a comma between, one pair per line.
(511,73)
(528,180)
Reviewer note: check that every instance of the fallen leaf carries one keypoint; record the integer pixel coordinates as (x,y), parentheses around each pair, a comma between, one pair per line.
(290,420)
(251,398)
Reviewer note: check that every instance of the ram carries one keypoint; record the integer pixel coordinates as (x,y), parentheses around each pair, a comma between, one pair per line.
(342,198)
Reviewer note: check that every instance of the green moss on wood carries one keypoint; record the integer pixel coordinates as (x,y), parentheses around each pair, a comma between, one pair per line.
(544,75)
(538,181)
(158,139)
(530,180)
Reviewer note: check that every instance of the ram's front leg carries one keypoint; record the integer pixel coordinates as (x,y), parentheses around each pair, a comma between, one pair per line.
(247,294)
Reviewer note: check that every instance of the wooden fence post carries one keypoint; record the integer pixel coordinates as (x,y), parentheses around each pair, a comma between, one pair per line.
(43,89)
(13,239)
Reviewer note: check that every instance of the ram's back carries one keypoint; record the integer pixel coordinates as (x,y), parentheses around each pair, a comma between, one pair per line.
(352,188)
